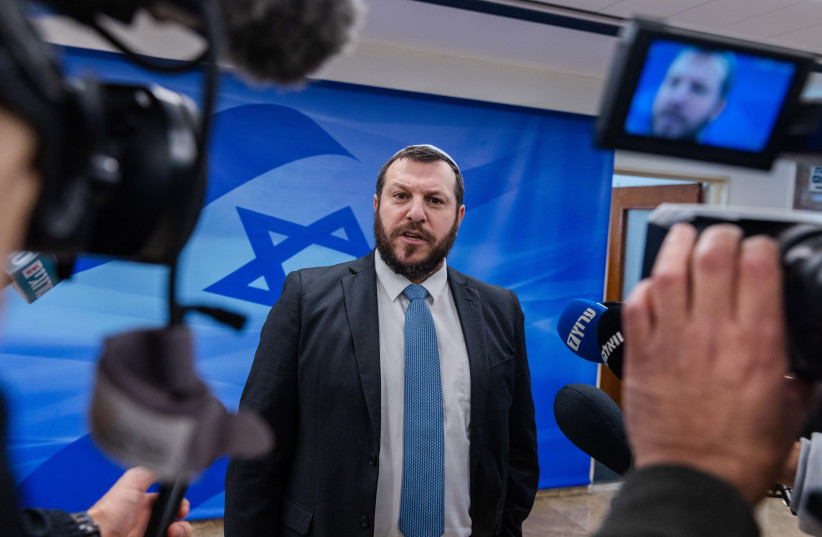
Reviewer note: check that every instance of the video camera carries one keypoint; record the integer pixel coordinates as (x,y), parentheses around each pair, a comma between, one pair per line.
(123,166)
(799,234)
(761,117)
(124,175)
(757,115)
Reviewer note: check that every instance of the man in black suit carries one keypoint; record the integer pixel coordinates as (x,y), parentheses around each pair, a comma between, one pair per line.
(331,376)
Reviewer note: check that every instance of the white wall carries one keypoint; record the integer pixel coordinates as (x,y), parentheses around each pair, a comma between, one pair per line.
(387,66)
(743,187)
(383,66)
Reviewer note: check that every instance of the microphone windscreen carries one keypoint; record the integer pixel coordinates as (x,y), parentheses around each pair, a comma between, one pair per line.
(284,40)
(595,424)
(610,339)
(149,408)
(577,327)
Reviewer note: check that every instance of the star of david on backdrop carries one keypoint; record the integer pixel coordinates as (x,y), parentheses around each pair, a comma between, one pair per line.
(271,256)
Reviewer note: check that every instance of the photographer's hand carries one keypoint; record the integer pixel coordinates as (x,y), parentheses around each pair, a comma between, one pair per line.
(706,359)
(125,509)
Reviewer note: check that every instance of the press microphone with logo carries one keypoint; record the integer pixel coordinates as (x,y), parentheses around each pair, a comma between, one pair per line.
(594,423)
(581,328)
(577,327)
(33,274)
(149,408)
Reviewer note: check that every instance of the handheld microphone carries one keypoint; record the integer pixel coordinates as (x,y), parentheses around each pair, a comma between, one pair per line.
(149,408)
(594,423)
(601,323)
(33,274)
(577,326)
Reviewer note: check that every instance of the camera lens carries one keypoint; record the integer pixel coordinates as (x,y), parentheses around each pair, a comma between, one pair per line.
(801,247)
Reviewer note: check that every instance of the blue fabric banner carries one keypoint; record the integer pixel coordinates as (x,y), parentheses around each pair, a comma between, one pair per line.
(292,179)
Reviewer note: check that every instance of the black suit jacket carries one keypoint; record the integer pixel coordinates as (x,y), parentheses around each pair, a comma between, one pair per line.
(316,380)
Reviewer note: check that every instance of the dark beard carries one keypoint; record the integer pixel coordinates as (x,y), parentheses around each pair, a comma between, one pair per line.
(420,270)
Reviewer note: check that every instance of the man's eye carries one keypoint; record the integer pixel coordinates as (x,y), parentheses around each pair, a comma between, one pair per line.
(400,195)
(436,201)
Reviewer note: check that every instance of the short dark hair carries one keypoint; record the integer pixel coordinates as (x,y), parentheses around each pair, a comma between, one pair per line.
(727,58)
(424,153)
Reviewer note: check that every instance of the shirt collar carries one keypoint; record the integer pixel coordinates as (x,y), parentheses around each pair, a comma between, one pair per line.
(394,284)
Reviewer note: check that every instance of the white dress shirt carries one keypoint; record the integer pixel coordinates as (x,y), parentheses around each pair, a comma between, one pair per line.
(456,400)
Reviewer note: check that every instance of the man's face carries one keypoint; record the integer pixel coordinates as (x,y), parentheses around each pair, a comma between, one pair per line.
(689,97)
(416,218)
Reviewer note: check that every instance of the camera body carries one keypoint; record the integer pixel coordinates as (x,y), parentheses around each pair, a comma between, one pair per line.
(799,234)
(122,167)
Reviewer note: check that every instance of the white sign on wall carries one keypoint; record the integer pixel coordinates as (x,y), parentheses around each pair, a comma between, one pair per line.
(815,183)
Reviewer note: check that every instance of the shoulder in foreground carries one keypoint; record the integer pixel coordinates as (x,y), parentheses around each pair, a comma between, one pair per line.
(337,271)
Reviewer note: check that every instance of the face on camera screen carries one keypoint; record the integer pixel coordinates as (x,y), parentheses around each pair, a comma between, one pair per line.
(713,97)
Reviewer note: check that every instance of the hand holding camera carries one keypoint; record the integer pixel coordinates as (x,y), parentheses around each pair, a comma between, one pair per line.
(712,309)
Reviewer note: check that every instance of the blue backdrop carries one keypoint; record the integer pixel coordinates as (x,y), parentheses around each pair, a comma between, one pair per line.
(292,179)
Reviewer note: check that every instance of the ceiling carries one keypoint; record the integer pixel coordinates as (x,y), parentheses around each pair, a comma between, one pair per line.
(458,27)
(796,23)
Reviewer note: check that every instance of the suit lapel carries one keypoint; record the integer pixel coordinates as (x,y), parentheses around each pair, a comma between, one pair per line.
(360,292)
(469,308)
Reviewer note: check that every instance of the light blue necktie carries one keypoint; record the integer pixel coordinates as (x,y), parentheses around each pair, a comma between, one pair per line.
(423,490)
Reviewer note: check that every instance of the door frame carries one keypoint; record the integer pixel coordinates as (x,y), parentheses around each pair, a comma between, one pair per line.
(624,199)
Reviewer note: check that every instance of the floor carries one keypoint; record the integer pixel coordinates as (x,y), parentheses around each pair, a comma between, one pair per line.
(577,512)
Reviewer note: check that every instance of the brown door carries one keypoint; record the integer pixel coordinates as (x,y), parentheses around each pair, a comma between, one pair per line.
(623,201)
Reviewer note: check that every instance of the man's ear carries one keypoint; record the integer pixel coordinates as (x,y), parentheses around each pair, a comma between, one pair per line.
(376,202)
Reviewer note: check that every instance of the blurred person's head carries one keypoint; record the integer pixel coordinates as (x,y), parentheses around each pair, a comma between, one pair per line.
(19,181)
(693,93)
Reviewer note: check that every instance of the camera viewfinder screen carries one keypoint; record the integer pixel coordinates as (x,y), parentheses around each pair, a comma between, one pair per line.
(711,97)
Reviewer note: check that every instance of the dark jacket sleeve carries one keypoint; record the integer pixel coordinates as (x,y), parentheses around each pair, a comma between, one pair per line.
(675,501)
(30,522)
(254,488)
(523,466)
(48,523)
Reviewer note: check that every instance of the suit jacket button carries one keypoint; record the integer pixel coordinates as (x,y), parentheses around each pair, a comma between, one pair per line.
(364,521)
(372,460)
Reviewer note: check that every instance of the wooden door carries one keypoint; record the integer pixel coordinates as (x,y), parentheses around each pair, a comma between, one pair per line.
(624,200)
